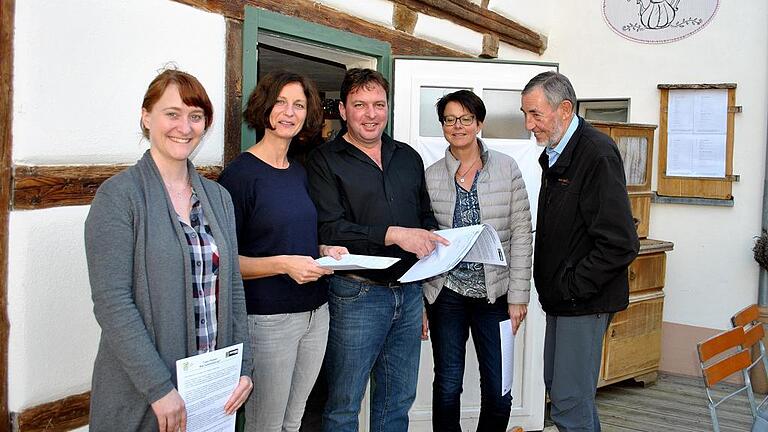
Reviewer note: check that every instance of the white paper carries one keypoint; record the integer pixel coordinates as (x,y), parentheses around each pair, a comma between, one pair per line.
(680,118)
(205,382)
(507,356)
(697,124)
(474,243)
(356,262)
(696,155)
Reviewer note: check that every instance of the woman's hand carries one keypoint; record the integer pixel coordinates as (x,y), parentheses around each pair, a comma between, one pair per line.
(333,251)
(517,313)
(170,412)
(424,326)
(239,395)
(303,269)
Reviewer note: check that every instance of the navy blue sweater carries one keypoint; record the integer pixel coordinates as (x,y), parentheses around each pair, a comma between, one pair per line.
(274,216)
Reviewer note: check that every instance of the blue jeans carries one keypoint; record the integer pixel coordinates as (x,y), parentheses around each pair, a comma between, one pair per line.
(375,332)
(451,318)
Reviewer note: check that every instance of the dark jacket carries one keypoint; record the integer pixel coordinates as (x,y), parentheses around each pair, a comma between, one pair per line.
(585,235)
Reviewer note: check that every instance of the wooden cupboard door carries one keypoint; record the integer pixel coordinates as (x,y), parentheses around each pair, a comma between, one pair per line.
(640,203)
(647,272)
(633,339)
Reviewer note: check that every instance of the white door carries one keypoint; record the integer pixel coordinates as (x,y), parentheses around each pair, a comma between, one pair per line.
(418,84)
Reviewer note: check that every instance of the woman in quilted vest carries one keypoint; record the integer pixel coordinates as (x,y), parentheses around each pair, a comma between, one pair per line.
(472,185)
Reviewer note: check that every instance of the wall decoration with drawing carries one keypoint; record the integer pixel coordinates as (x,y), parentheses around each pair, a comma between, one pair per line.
(658,21)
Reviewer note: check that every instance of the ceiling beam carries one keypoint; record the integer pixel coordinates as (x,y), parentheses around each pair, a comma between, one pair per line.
(472,16)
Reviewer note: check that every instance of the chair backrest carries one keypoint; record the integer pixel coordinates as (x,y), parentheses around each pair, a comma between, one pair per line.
(749,318)
(722,356)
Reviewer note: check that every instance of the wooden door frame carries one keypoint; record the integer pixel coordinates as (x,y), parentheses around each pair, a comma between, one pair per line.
(7,9)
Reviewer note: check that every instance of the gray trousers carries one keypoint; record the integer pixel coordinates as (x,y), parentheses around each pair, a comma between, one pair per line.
(572,351)
(288,351)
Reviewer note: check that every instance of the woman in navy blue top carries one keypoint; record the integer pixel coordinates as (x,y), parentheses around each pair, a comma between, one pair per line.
(276,222)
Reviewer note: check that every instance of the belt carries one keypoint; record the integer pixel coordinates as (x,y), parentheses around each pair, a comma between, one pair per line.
(365,280)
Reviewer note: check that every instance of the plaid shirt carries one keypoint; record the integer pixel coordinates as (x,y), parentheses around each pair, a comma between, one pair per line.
(205,271)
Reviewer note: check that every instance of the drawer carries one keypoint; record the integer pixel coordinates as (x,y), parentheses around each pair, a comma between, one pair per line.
(647,272)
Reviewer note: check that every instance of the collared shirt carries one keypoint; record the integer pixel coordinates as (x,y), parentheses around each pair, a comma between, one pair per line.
(554,153)
(467,278)
(357,201)
(205,271)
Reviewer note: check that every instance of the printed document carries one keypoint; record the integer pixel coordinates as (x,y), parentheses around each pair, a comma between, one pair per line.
(474,243)
(356,262)
(205,382)
(507,356)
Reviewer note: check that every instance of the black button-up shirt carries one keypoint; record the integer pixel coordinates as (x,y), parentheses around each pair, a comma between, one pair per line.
(357,201)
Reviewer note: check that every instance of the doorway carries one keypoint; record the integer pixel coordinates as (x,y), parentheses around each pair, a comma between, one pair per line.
(324,66)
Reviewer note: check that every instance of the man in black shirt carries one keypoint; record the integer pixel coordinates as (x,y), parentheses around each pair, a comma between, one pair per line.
(371,197)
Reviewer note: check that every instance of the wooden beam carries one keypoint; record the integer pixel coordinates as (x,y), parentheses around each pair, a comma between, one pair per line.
(402,43)
(469,15)
(404,19)
(490,46)
(61,415)
(233,90)
(45,186)
(7,9)
(229,8)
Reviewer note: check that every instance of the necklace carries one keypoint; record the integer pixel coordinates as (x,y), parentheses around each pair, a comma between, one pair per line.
(461,176)
(178,193)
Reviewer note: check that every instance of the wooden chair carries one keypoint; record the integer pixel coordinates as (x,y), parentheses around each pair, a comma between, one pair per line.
(754,332)
(721,356)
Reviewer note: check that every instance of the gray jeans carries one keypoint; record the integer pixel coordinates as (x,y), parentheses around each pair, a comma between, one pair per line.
(573,347)
(288,351)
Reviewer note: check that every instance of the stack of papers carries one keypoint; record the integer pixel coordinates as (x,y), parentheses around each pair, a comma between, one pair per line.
(474,243)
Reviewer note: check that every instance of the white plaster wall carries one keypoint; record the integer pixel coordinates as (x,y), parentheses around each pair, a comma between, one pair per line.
(375,11)
(81,68)
(449,34)
(54,335)
(711,273)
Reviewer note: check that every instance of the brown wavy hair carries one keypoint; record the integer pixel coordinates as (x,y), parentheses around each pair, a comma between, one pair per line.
(263,98)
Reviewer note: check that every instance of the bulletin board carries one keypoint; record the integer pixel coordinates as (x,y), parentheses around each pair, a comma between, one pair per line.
(696,140)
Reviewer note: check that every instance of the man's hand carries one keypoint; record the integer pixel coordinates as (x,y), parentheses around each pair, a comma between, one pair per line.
(517,313)
(334,252)
(171,412)
(424,326)
(239,395)
(415,240)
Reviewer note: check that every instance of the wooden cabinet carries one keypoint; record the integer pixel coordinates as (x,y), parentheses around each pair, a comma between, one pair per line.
(632,343)
(635,143)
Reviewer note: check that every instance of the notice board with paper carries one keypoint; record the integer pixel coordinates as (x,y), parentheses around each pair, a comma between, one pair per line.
(696,140)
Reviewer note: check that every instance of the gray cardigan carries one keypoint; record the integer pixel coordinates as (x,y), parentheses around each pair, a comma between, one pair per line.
(504,205)
(140,275)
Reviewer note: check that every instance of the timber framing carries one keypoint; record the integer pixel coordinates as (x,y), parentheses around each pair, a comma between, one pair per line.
(402,43)
(7,9)
(233,90)
(64,414)
(45,186)
(479,18)
(462,12)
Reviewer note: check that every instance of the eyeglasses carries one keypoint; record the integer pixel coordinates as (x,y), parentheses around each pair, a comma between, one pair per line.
(465,120)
